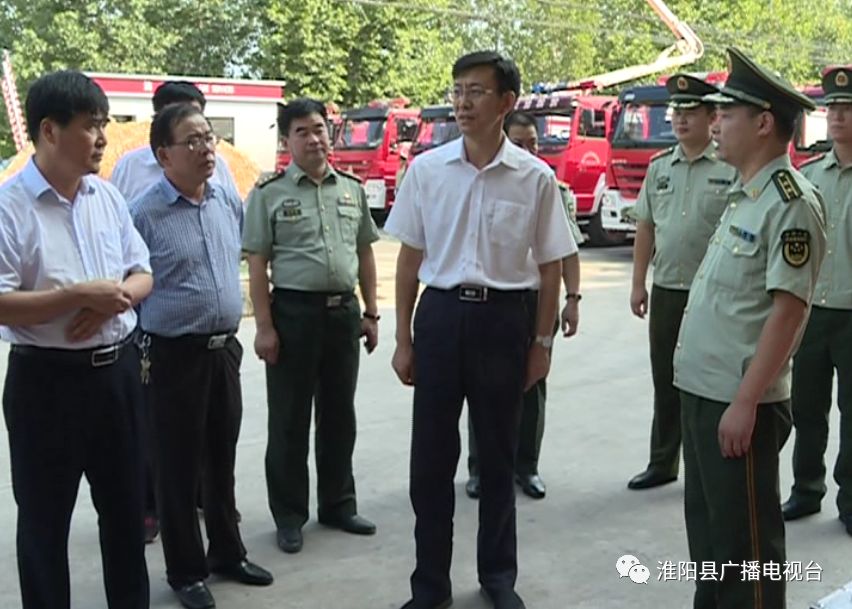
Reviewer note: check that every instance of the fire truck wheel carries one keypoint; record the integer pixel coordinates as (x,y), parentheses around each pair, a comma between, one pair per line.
(600,237)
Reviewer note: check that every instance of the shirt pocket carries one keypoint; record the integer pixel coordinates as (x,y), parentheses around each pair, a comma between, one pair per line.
(714,199)
(295,229)
(740,265)
(509,223)
(349,217)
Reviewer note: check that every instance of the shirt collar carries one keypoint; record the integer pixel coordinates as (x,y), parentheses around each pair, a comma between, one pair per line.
(297,174)
(831,159)
(708,153)
(508,154)
(755,187)
(37,184)
(173,195)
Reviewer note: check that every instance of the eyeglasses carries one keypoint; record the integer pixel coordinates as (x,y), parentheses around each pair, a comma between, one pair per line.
(199,143)
(473,94)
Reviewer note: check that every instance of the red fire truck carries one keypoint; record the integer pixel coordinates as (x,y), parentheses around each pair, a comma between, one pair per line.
(370,144)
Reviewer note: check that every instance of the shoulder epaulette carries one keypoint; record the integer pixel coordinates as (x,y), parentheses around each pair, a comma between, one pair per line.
(663,153)
(813,159)
(264,180)
(786,184)
(351,176)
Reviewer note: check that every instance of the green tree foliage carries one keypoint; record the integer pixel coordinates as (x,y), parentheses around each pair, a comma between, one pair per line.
(353,51)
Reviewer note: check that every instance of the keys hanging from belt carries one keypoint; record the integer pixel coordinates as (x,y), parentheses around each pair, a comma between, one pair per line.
(145,360)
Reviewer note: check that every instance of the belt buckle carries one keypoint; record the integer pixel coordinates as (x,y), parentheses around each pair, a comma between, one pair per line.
(217,341)
(473,293)
(334,301)
(106,356)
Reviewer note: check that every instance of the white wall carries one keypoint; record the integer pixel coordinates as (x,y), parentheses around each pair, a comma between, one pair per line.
(252,121)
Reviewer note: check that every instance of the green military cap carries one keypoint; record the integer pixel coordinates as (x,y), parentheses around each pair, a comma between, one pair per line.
(749,83)
(687,91)
(837,84)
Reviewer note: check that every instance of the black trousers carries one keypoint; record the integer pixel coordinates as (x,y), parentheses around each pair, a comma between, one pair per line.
(478,352)
(663,327)
(67,419)
(532,419)
(317,364)
(195,409)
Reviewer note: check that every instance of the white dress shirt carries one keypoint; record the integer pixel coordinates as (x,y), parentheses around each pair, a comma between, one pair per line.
(48,242)
(138,170)
(490,227)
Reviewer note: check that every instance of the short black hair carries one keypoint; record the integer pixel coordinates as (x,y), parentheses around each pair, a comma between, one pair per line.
(519,119)
(298,108)
(786,122)
(60,96)
(164,123)
(505,70)
(176,92)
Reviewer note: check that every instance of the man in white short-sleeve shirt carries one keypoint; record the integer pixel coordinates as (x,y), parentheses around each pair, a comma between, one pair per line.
(482,225)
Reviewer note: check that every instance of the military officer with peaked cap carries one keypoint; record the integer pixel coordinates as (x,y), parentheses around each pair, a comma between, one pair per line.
(745,313)
(827,341)
(677,210)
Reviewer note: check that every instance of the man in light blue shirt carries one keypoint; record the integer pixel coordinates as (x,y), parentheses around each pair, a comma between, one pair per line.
(191,356)
(72,267)
(137,170)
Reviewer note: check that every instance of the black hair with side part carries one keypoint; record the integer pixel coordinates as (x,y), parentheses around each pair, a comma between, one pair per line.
(177,92)
(164,123)
(519,119)
(505,70)
(60,96)
(298,108)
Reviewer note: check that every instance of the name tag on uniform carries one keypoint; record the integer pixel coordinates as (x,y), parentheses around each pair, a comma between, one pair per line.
(664,184)
(743,233)
(719,181)
(290,208)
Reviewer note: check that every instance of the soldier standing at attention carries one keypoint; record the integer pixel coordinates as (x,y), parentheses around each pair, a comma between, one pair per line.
(827,342)
(745,313)
(312,225)
(677,210)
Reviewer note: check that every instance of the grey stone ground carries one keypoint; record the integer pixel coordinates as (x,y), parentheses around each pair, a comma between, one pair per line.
(596,438)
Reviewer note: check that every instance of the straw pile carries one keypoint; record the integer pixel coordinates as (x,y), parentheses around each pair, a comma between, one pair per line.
(124,137)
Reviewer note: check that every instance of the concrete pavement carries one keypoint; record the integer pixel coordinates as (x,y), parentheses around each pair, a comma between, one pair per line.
(596,438)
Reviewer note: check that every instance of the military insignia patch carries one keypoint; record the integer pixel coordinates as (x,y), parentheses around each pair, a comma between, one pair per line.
(786,185)
(663,183)
(682,84)
(346,199)
(290,208)
(841,79)
(264,180)
(796,248)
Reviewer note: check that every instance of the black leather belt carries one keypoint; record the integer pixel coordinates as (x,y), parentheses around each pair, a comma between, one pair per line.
(96,358)
(330,300)
(480,293)
(210,342)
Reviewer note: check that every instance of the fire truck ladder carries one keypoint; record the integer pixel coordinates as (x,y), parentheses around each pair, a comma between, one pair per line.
(13,103)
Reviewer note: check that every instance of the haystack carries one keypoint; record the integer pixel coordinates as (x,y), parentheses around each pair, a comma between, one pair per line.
(124,137)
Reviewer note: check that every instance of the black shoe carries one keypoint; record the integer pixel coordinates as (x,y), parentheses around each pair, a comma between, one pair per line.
(795,508)
(846,519)
(413,604)
(532,485)
(355,524)
(290,539)
(245,572)
(472,487)
(152,528)
(503,598)
(649,479)
(195,596)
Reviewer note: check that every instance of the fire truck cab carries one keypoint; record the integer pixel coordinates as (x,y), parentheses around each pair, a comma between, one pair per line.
(370,143)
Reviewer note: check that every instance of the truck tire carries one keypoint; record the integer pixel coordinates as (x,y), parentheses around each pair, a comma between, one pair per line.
(600,237)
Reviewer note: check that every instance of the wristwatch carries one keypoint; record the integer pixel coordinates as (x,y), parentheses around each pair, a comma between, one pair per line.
(575,295)
(372,317)
(544,341)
